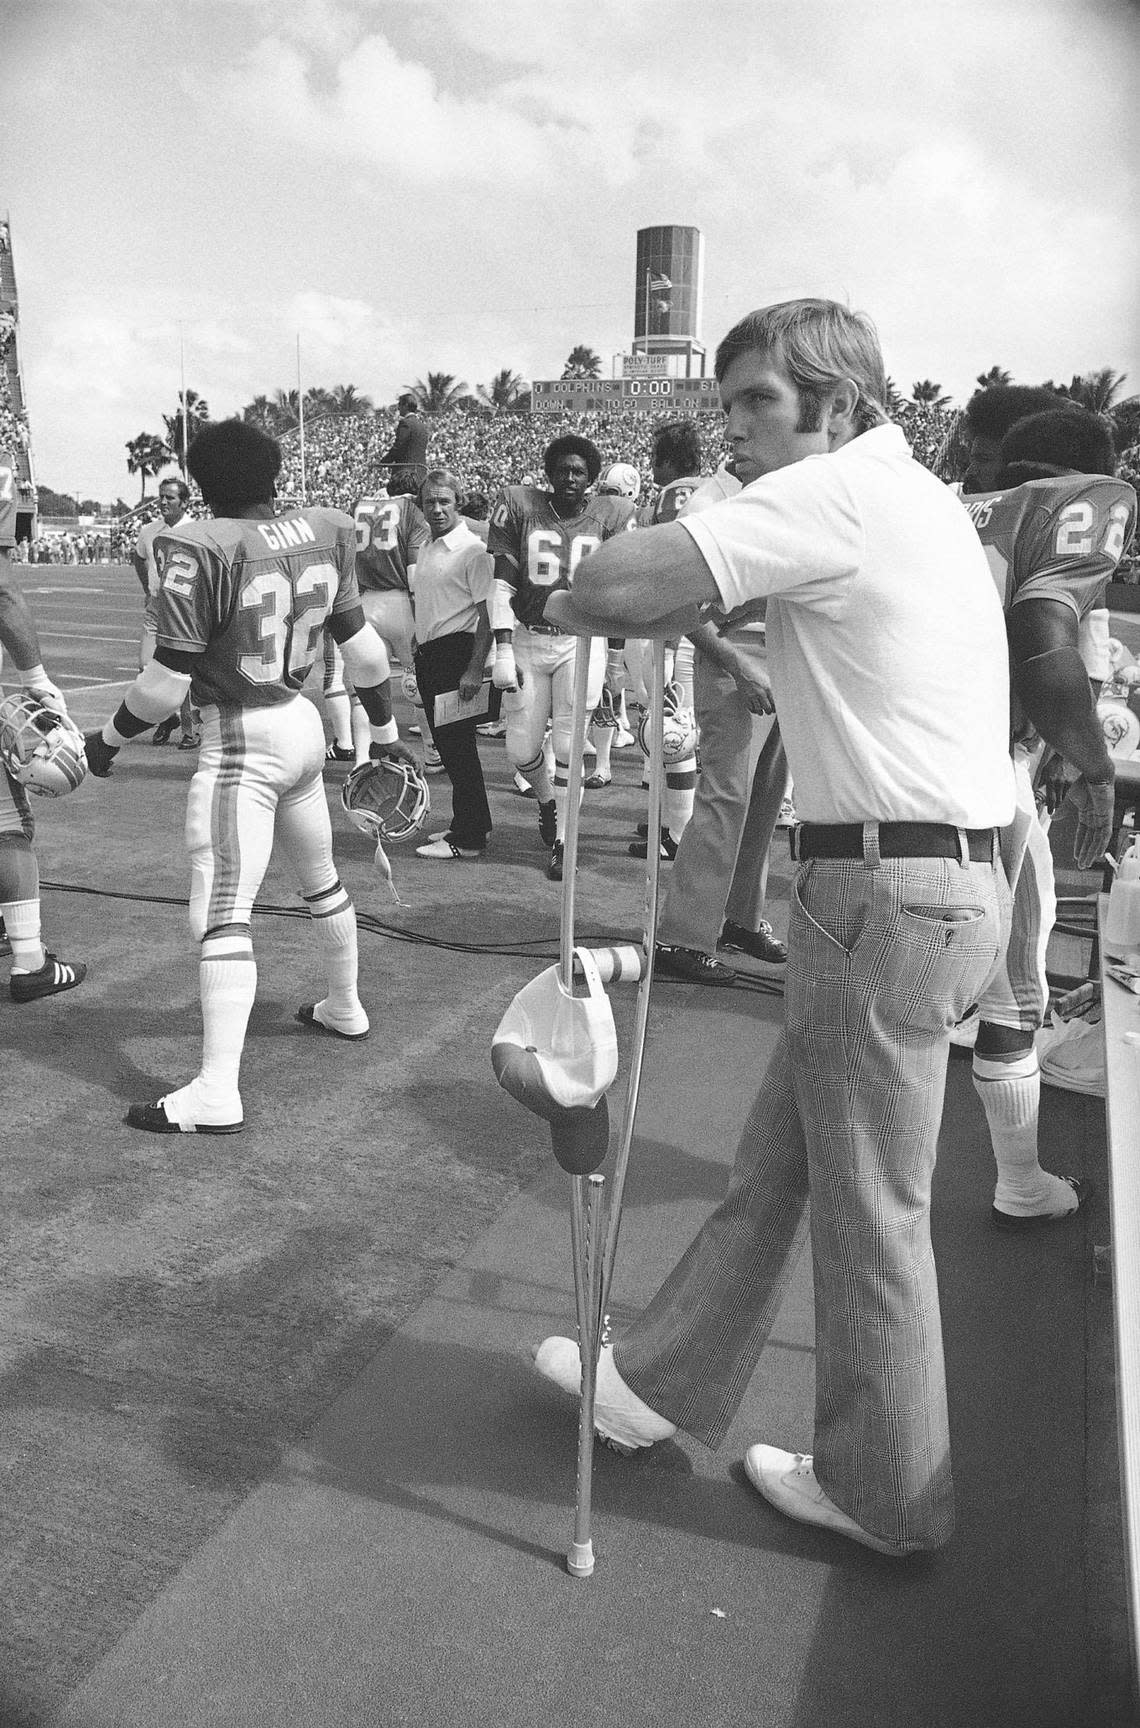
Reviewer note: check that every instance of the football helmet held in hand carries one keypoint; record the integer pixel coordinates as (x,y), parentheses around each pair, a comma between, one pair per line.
(41,749)
(679,736)
(605,715)
(388,799)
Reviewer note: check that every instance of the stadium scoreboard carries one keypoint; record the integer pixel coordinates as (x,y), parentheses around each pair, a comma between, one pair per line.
(623,395)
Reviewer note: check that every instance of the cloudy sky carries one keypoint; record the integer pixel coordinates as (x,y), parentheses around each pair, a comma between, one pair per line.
(455,185)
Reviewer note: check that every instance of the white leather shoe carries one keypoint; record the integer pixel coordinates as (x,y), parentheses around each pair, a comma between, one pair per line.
(445,848)
(621,1418)
(787,1481)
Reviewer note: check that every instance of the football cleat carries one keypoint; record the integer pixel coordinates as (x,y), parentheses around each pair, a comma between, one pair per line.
(39,748)
(679,729)
(388,799)
(53,977)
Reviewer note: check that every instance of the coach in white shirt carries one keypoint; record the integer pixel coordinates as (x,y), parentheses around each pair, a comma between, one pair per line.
(454,578)
(890,672)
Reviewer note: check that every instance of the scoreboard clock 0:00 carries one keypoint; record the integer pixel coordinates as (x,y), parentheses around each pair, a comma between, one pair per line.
(610,395)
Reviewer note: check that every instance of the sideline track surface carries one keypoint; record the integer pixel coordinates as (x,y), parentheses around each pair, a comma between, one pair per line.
(272,1447)
(405,1564)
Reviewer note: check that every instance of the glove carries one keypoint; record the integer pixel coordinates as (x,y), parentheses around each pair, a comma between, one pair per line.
(396,752)
(505,675)
(100,755)
(1095,803)
(48,694)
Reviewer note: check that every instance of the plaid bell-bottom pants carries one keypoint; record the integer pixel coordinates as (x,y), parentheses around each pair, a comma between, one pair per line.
(884,957)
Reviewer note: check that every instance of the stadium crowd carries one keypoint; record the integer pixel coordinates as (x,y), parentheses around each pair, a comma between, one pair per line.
(343,454)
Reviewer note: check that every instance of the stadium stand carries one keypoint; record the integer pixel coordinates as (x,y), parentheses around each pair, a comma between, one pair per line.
(488,451)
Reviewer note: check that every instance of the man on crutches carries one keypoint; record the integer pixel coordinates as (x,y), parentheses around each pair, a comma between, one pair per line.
(878,594)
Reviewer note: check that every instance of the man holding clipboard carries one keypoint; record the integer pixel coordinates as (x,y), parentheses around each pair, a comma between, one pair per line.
(453,581)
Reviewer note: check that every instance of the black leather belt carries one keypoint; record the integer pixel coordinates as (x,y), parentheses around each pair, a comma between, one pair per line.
(896,840)
(544,630)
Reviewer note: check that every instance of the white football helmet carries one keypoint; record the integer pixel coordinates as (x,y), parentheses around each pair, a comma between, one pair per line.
(411,689)
(41,749)
(605,715)
(619,480)
(388,799)
(679,735)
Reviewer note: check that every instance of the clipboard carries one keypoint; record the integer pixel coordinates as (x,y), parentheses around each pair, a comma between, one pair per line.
(448,708)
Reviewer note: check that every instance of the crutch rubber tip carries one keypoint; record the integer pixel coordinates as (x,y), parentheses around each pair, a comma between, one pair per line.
(580,1559)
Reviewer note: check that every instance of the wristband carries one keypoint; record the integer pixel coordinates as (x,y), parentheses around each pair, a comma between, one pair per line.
(34,677)
(389,733)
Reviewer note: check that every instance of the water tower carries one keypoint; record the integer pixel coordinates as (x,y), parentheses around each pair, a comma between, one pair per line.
(667,302)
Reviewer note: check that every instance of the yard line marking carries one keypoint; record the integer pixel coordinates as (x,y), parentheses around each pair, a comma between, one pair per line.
(86,689)
(85,636)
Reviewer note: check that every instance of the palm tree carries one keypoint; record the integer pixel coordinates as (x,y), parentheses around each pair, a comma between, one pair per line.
(1095,390)
(894,401)
(347,399)
(928,393)
(287,407)
(582,362)
(197,416)
(318,401)
(146,454)
(1125,417)
(440,393)
(504,391)
(261,413)
(995,379)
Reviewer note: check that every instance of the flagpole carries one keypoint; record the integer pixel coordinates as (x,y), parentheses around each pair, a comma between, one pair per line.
(185,423)
(301,420)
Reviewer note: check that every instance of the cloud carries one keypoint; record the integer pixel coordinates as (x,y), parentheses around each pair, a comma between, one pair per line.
(389,112)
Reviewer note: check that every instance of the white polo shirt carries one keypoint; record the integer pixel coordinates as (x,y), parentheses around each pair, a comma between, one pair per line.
(453,574)
(886,641)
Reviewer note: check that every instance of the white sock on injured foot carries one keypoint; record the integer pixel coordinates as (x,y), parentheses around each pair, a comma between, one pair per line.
(1011,1097)
(227,976)
(334,922)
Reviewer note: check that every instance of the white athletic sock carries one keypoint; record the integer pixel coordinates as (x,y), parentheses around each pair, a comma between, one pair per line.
(22,918)
(677,795)
(338,707)
(537,775)
(334,922)
(361,733)
(227,978)
(603,745)
(1011,1098)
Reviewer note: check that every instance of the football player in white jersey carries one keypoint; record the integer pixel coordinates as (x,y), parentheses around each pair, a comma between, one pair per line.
(537,540)
(173,497)
(35,972)
(1054,524)
(243,605)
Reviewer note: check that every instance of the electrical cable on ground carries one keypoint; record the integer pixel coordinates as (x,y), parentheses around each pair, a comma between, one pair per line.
(525,948)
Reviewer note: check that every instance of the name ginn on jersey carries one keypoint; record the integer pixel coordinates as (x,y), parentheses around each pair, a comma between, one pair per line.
(283,533)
